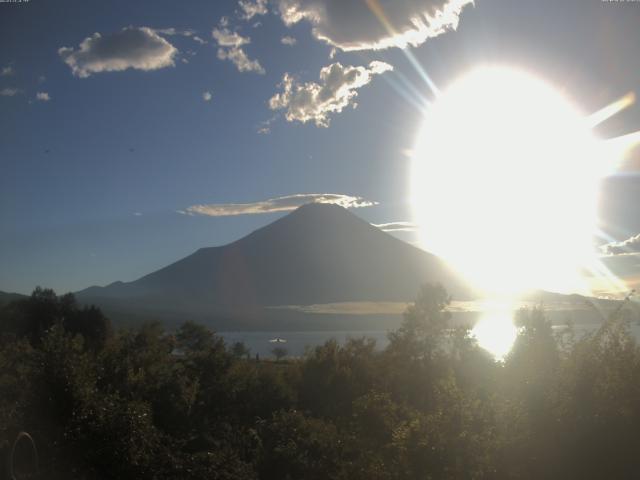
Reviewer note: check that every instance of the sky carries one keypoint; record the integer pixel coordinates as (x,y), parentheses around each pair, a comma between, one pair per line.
(134,133)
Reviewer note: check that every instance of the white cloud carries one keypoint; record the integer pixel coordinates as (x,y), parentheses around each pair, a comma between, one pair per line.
(279,204)
(140,48)
(397,226)
(6,71)
(206,96)
(43,96)
(9,92)
(199,40)
(337,89)
(227,38)
(230,48)
(175,31)
(630,246)
(240,59)
(364,25)
(288,40)
(252,8)
(264,128)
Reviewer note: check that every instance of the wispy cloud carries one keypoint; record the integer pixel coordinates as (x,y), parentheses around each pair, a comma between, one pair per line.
(288,41)
(230,47)
(250,9)
(174,31)
(279,204)
(397,226)
(43,96)
(337,89)
(7,71)
(139,48)
(9,92)
(207,96)
(368,25)
(630,246)
(264,128)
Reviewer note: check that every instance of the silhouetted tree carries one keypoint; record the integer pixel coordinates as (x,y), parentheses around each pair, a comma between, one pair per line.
(240,350)
(279,353)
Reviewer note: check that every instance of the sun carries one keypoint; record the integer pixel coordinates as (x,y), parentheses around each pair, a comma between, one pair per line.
(505,181)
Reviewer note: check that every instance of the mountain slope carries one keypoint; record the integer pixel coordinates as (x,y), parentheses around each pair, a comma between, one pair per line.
(317,254)
(10,297)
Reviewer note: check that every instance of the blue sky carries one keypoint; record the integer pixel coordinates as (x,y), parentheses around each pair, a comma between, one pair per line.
(101,150)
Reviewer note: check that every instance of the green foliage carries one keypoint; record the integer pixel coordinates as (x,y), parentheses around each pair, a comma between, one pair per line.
(32,317)
(150,404)
(296,446)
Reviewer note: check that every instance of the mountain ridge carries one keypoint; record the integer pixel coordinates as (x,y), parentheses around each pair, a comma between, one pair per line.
(318,253)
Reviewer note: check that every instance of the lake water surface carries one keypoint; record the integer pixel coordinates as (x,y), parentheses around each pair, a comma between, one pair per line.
(296,342)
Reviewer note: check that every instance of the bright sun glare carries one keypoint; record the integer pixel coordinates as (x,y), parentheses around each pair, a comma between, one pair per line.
(505,183)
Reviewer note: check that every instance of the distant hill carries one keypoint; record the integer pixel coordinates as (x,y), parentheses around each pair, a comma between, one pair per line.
(317,254)
(9,297)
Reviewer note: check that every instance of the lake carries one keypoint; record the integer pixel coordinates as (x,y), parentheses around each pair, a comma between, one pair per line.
(297,342)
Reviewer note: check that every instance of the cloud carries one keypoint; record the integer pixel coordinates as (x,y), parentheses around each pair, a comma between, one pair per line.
(140,48)
(175,31)
(206,96)
(337,89)
(288,40)
(9,92)
(630,246)
(227,38)
(364,25)
(240,59)
(397,227)
(279,204)
(252,8)
(199,40)
(264,128)
(43,96)
(6,71)
(230,48)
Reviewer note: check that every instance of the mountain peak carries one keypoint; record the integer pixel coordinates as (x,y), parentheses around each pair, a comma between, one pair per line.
(317,208)
(319,253)
(310,222)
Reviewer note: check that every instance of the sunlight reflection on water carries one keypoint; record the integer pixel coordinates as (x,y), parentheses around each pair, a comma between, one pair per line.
(495,331)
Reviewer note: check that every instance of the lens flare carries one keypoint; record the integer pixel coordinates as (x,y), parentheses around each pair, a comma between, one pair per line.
(505,186)
(505,183)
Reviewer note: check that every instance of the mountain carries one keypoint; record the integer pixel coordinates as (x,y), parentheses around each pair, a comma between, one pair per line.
(317,254)
(9,297)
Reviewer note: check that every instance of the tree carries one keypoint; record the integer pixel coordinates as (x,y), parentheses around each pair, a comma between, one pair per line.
(279,353)
(424,323)
(240,350)
(34,316)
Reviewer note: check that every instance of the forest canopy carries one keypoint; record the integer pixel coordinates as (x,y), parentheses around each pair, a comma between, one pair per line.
(146,403)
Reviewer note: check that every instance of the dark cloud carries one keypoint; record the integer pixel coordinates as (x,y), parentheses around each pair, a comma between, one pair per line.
(627,247)
(374,24)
